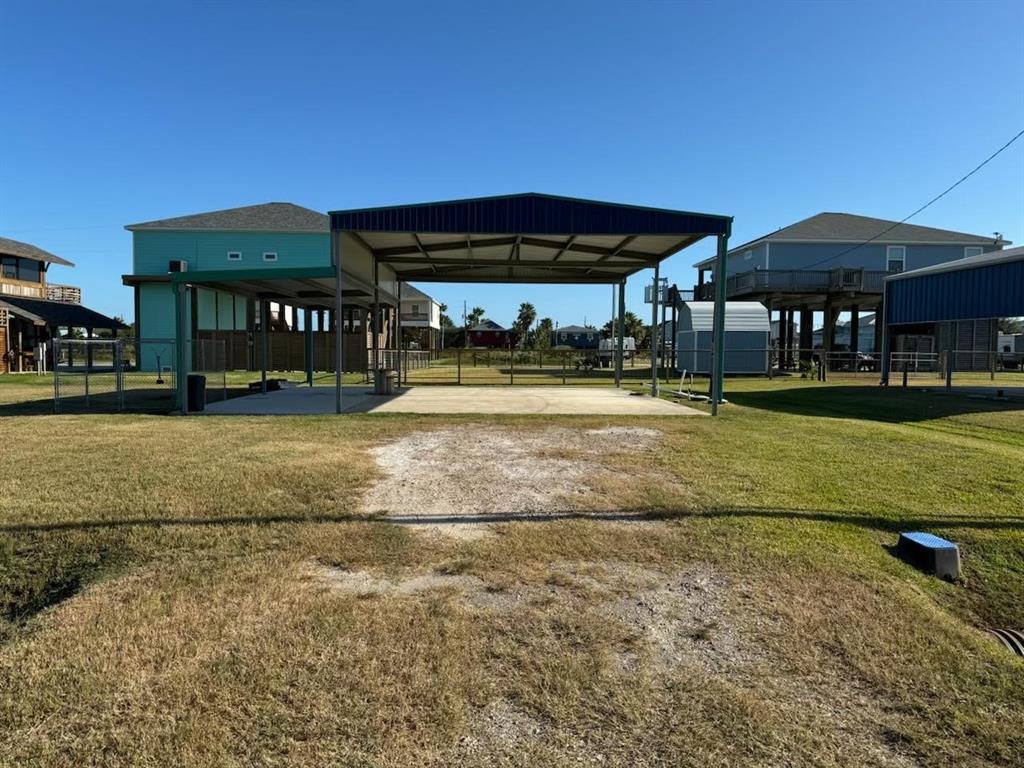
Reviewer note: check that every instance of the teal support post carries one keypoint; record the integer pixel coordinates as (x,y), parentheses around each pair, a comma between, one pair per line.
(885,362)
(264,344)
(621,335)
(181,346)
(718,328)
(336,254)
(398,333)
(654,330)
(307,330)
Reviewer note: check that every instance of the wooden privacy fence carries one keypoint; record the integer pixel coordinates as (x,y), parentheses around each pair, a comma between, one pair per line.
(286,350)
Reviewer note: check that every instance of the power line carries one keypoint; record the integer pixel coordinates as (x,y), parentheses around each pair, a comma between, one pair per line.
(935,199)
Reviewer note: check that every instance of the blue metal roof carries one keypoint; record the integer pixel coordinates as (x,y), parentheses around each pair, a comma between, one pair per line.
(529,213)
(527,238)
(976,289)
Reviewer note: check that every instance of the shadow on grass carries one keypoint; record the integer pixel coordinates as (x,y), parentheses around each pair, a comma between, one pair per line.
(860,519)
(890,405)
(152,401)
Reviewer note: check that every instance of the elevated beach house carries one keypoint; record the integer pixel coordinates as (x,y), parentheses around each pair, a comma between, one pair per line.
(837,262)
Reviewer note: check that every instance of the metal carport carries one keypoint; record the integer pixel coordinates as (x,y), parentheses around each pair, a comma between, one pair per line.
(982,287)
(526,238)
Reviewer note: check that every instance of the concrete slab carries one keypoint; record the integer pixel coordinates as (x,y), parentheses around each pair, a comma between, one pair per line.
(564,400)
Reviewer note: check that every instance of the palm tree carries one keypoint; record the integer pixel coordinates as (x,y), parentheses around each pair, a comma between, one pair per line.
(527,314)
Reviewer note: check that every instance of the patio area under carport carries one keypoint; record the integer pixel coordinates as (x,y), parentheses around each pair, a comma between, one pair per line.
(528,238)
(559,400)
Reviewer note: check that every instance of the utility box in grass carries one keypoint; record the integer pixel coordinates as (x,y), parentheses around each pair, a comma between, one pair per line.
(930,553)
(747,337)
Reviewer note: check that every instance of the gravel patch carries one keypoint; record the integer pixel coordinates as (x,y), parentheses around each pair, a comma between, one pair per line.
(366,584)
(477,471)
(684,621)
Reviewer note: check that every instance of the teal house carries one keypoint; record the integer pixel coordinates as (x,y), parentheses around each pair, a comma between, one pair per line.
(245,248)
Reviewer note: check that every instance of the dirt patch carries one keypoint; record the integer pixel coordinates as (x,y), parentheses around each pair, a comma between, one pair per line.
(365,584)
(684,620)
(693,620)
(504,734)
(454,479)
(499,728)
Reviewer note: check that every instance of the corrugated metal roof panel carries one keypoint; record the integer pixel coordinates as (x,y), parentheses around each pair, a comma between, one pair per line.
(739,316)
(529,213)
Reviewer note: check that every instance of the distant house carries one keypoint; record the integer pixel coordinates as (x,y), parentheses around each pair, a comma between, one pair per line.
(843,339)
(421,319)
(576,337)
(488,333)
(833,263)
(29,317)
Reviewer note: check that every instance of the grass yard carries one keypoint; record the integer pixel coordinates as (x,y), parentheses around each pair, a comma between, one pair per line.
(697,592)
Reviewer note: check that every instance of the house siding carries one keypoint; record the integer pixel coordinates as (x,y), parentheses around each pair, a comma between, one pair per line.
(152,250)
(156,310)
(871,256)
(758,259)
(215,310)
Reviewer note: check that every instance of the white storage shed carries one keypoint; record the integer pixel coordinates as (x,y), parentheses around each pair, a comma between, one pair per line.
(747,337)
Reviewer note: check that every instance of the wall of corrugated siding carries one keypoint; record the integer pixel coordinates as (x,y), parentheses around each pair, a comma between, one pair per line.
(996,290)
(745,351)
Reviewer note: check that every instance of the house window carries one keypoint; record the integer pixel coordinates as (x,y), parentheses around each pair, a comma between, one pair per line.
(748,255)
(234,255)
(415,309)
(973,250)
(29,271)
(269,256)
(895,258)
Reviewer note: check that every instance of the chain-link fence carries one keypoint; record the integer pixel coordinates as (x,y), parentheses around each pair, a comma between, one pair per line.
(132,375)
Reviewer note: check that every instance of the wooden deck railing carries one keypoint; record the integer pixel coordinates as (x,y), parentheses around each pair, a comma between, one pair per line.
(798,281)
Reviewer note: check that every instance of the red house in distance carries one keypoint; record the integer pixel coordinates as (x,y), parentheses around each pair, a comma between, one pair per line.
(489,334)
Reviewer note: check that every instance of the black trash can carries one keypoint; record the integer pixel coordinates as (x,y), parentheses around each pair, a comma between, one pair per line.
(196,392)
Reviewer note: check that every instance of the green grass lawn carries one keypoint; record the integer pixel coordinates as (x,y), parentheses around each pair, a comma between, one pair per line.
(159,602)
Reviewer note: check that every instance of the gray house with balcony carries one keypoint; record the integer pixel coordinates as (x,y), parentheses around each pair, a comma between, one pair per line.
(831,263)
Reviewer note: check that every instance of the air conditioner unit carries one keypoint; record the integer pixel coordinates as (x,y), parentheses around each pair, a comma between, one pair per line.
(177,266)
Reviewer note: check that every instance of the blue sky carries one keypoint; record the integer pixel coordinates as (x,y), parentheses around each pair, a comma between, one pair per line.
(770,112)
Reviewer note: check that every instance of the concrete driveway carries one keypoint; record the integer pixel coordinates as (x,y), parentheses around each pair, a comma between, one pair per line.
(563,400)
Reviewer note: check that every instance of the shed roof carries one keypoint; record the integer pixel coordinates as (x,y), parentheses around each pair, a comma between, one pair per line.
(10,247)
(266,217)
(831,227)
(739,316)
(524,238)
(60,313)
